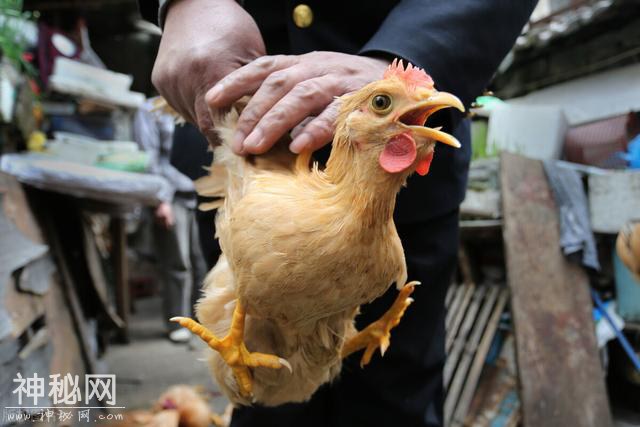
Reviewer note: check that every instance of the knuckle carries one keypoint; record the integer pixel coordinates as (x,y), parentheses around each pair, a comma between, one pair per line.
(278,115)
(160,76)
(200,62)
(250,117)
(321,128)
(265,62)
(277,80)
(309,90)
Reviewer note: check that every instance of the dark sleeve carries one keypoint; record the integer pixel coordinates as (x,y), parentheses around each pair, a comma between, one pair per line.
(460,43)
(153,10)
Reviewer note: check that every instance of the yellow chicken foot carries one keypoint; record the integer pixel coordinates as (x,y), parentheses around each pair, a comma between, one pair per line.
(378,333)
(233,350)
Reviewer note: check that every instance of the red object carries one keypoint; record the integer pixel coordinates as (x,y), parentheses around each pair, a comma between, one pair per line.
(412,76)
(398,154)
(595,143)
(424,165)
(47,51)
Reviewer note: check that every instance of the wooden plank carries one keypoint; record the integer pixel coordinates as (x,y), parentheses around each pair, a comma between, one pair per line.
(99,281)
(453,308)
(470,347)
(72,300)
(24,308)
(450,292)
(472,378)
(561,380)
(121,272)
(458,345)
(452,330)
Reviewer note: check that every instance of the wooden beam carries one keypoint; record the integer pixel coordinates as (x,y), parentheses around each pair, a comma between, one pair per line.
(561,380)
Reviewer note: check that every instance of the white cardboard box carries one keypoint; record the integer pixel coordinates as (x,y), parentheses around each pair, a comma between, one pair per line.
(532,131)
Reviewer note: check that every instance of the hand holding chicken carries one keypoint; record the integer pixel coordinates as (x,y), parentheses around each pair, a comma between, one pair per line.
(303,248)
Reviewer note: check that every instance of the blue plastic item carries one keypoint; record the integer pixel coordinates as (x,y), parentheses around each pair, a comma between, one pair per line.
(633,153)
(626,346)
(627,291)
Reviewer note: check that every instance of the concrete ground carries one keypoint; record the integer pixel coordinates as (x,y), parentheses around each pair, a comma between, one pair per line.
(151,363)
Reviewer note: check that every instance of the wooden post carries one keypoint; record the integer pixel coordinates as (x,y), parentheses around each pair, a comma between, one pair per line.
(561,379)
(119,255)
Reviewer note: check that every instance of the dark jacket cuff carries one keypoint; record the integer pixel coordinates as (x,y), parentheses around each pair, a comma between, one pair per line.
(459,43)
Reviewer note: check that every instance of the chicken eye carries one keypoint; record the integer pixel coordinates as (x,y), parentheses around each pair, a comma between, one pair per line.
(381,103)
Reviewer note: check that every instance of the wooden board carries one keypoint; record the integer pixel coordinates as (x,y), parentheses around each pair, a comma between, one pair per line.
(458,345)
(471,379)
(470,347)
(561,380)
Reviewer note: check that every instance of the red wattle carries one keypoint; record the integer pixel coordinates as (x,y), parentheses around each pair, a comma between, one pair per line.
(424,164)
(399,153)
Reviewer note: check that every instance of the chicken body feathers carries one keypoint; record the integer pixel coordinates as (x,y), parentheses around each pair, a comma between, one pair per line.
(301,260)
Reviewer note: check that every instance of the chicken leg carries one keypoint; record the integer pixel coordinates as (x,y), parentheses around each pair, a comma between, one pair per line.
(233,350)
(378,333)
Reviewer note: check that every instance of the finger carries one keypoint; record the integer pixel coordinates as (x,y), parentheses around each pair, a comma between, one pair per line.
(273,89)
(318,132)
(204,121)
(246,79)
(300,127)
(307,98)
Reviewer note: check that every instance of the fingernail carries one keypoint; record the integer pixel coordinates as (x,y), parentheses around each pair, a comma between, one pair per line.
(254,139)
(236,142)
(214,93)
(300,143)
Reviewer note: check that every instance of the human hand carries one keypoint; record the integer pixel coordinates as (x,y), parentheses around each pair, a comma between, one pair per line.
(289,89)
(202,41)
(164,215)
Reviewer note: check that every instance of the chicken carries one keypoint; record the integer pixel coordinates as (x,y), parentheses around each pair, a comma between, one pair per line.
(303,248)
(628,247)
(193,410)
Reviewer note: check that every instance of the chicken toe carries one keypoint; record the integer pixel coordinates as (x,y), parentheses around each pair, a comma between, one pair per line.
(378,334)
(233,350)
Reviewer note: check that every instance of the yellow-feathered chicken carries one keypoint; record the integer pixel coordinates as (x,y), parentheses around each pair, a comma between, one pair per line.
(303,248)
(628,247)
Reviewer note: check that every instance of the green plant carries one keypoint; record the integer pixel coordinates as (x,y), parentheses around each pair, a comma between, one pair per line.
(12,39)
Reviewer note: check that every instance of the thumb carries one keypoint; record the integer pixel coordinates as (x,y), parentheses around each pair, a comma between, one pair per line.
(204,122)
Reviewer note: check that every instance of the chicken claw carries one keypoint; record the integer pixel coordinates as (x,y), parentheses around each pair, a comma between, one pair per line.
(233,350)
(378,334)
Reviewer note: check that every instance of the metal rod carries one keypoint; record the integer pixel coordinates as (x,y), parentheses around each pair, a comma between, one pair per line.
(623,340)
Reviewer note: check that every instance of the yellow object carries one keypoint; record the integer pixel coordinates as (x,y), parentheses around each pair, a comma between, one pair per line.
(36,141)
(304,247)
(233,350)
(302,16)
(378,334)
(628,247)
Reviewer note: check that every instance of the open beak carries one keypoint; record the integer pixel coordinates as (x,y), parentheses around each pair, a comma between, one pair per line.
(416,116)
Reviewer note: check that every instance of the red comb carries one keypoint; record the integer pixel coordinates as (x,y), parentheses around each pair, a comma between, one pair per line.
(412,76)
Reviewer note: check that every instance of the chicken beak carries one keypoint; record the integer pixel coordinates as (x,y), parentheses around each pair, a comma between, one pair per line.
(437,135)
(416,117)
